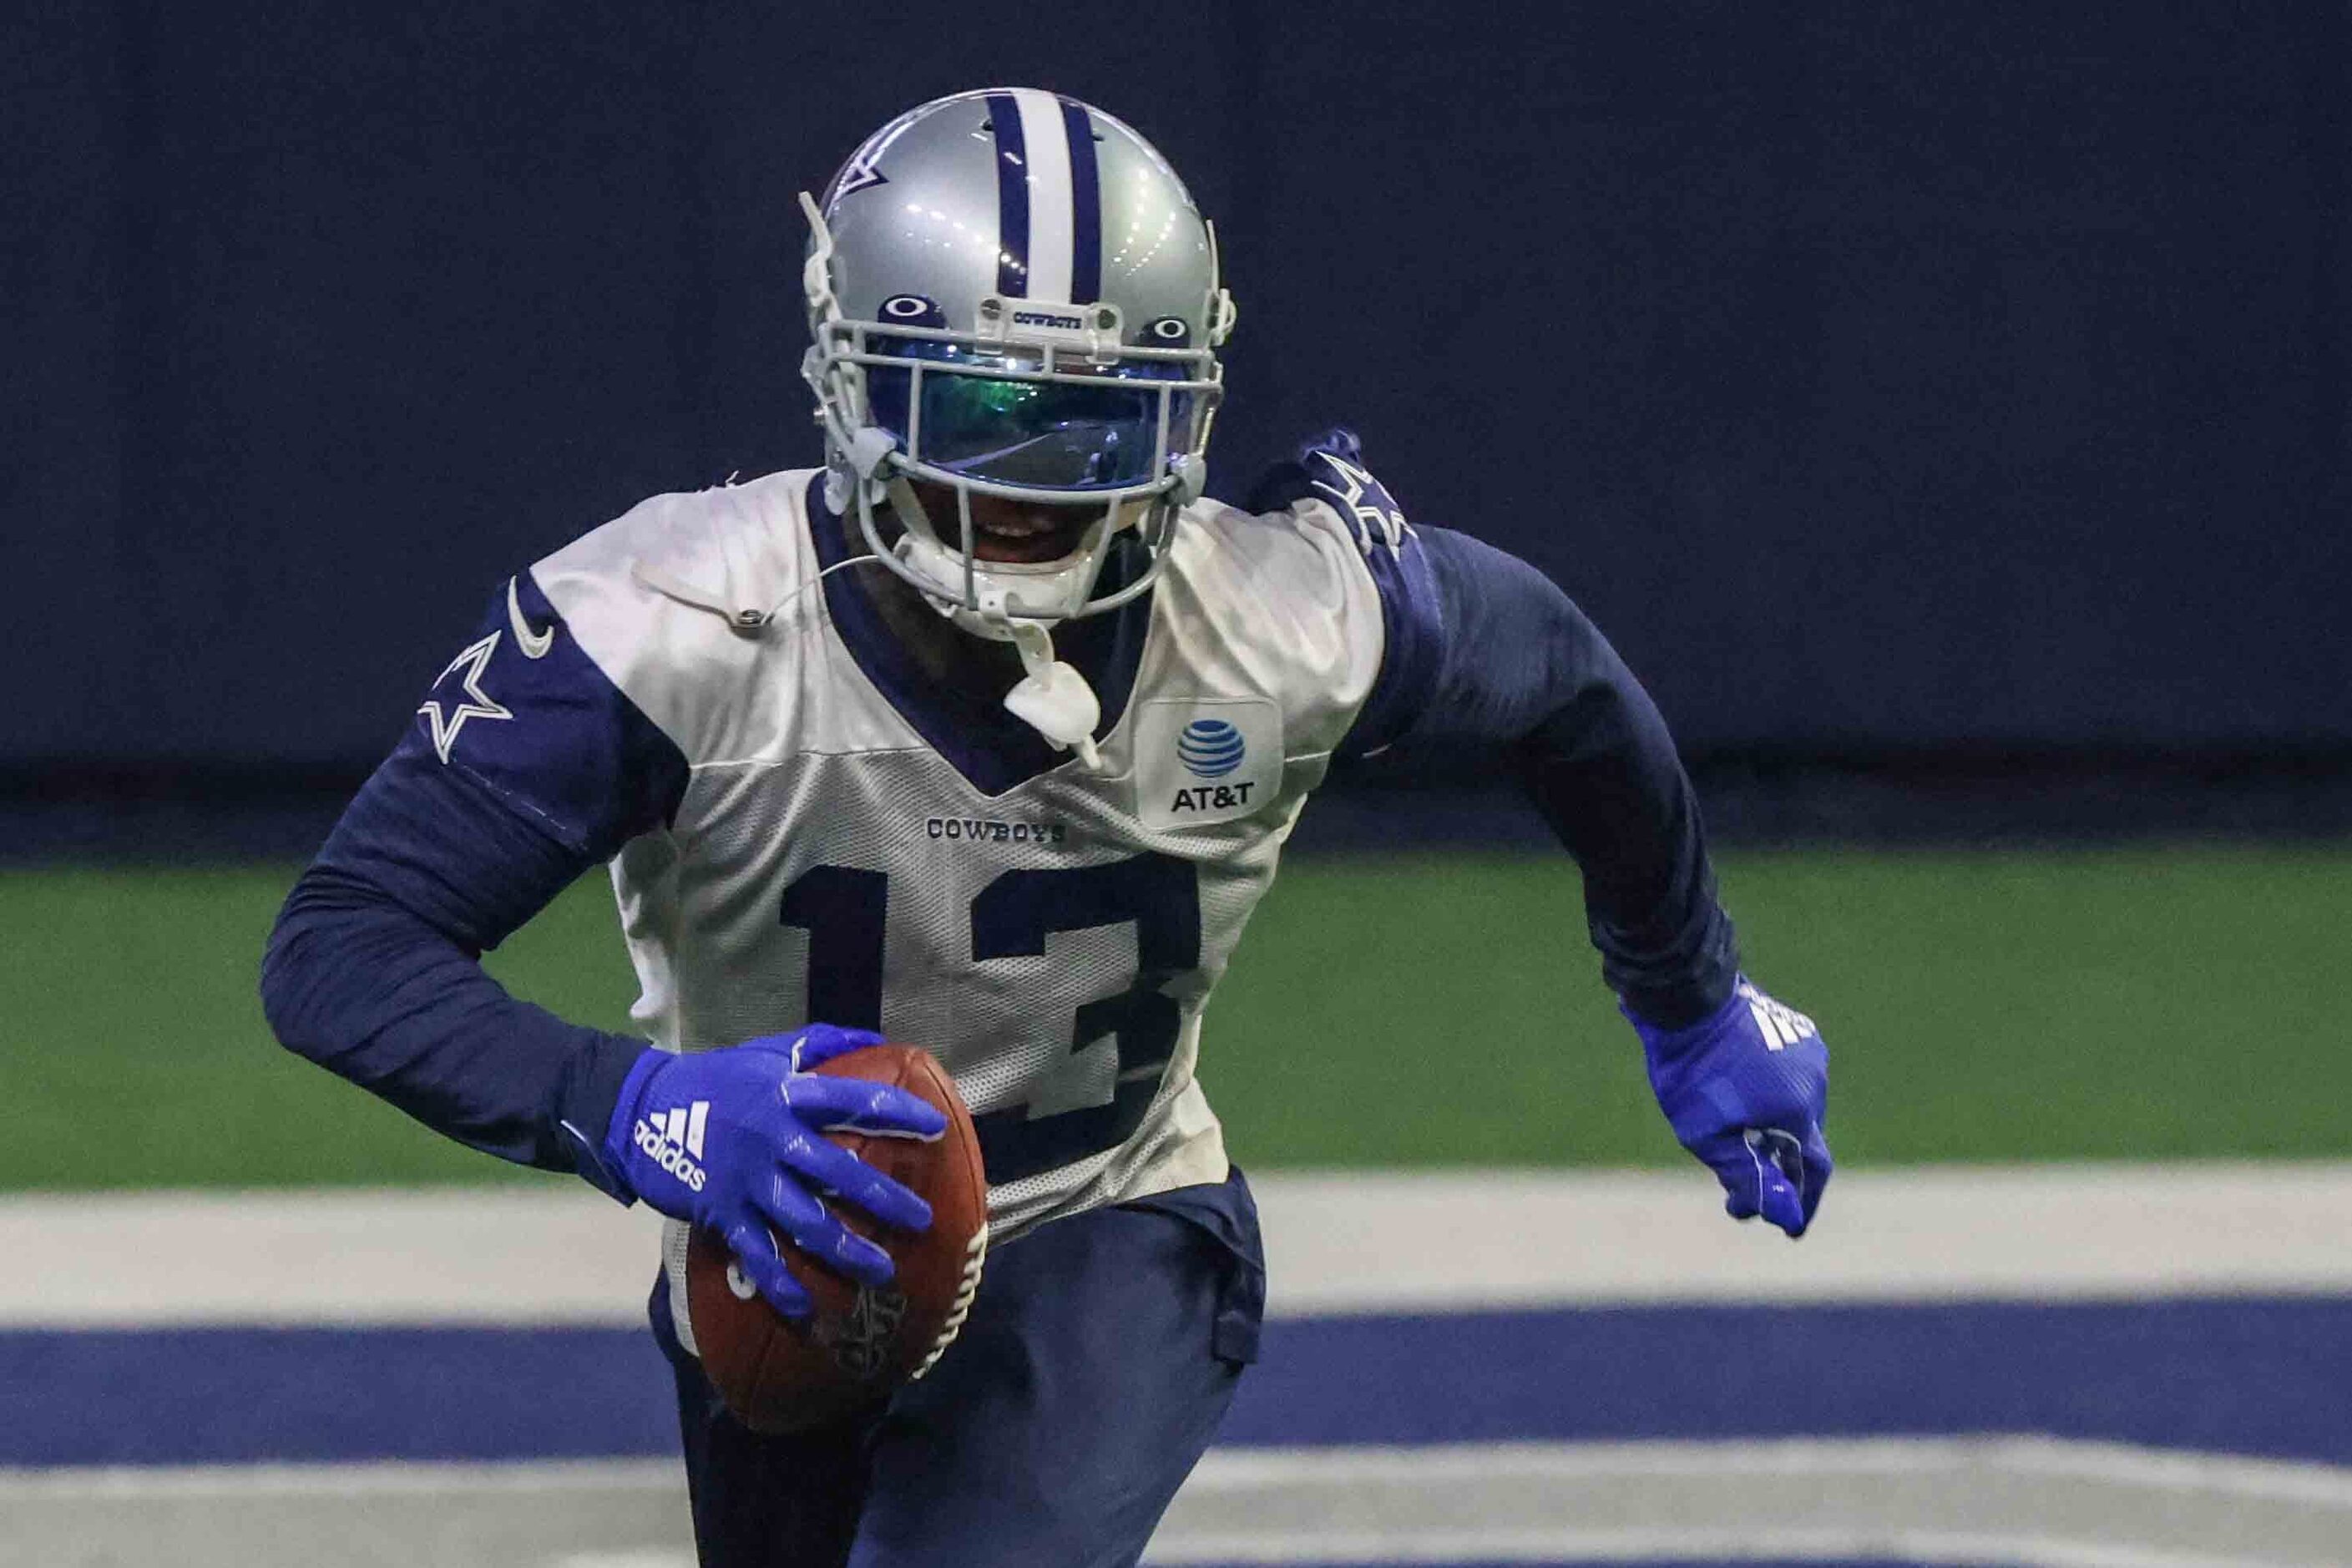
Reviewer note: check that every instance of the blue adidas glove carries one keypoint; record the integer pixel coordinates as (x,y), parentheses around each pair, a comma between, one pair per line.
(733,1140)
(1746,1090)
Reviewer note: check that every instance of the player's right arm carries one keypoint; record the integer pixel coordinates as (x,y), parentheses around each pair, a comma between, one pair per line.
(524,767)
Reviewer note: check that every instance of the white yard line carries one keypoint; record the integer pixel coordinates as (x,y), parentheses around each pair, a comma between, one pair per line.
(1980,1501)
(1336,1244)
(1233,1475)
(1780,1544)
(1983,1501)
(385,1479)
(1384,1243)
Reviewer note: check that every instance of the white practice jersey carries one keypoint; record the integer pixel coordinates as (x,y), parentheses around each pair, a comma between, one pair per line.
(1054,944)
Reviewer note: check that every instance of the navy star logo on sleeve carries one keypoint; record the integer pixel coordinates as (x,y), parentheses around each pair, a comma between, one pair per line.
(474,702)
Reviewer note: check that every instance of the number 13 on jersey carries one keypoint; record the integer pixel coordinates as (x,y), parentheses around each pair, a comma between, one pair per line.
(844,912)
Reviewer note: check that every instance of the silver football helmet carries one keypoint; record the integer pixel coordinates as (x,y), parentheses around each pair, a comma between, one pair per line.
(1012,294)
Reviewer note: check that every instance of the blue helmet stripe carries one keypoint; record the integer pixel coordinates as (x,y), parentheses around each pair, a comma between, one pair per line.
(1011,197)
(1085,206)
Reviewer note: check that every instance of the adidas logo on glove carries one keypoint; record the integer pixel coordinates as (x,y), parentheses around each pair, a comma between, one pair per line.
(1780,1025)
(673,1140)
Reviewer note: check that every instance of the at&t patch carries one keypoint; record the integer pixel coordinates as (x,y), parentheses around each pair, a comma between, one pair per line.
(1207,760)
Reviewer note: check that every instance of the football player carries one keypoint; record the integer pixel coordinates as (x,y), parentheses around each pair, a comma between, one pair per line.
(986,735)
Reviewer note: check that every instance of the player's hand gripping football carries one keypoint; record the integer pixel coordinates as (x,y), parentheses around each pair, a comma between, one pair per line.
(733,1140)
(1746,1089)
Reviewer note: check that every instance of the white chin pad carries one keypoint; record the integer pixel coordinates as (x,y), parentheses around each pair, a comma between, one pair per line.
(1053,697)
(1057,703)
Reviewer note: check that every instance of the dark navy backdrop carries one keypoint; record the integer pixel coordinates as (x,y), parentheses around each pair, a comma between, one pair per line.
(1895,375)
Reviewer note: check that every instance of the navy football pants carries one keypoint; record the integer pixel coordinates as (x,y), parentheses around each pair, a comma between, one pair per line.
(1099,1359)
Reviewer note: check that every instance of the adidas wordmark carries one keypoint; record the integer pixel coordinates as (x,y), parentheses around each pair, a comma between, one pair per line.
(673,1139)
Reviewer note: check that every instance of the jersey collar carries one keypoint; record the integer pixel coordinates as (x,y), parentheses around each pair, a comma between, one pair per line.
(993,751)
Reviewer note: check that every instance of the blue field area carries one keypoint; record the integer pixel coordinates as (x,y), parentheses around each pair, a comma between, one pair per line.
(2268,1377)
(2066,1368)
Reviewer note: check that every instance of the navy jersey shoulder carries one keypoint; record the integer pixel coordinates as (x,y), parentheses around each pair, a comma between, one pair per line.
(524,712)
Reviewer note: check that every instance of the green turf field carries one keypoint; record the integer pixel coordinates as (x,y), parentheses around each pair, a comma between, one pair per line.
(2153,1002)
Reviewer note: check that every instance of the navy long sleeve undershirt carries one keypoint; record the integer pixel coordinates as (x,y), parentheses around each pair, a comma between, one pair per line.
(374,972)
(1521,667)
(1483,650)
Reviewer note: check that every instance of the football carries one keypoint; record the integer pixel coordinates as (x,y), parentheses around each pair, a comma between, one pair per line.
(860,1343)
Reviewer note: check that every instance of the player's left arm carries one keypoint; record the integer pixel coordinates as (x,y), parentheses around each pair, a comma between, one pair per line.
(1743,1080)
(1484,649)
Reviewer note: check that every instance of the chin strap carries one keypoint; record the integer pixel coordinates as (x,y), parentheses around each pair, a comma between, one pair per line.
(1053,697)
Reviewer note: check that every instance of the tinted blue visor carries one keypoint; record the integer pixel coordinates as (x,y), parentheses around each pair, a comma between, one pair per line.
(1092,432)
